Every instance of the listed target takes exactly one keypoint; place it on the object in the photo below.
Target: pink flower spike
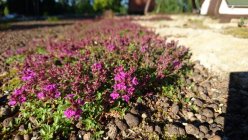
(69, 113)
(114, 95)
(41, 95)
(57, 94)
(126, 98)
(12, 103)
(135, 81)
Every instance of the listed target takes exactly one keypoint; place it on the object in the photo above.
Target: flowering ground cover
(81, 82)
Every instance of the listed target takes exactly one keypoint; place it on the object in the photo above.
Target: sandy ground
(218, 52)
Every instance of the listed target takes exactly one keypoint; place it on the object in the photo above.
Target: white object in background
(205, 7)
(225, 9)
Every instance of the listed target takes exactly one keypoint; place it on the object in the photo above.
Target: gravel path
(218, 52)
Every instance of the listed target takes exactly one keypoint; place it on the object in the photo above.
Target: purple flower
(120, 76)
(70, 96)
(41, 95)
(50, 87)
(130, 90)
(111, 47)
(22, 99)
(144, 48)
(28, 75)
(69, 113)
(120, 86)
(135, 81)
(126, 98)
(12, 102)
(57, 94)
(78, 114)
(114, 95)
(96, 67)
(18, 92)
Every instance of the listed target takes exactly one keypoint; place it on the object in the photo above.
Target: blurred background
(43, 8)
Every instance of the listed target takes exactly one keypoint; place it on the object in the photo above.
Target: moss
(195, 23)
(237, 32)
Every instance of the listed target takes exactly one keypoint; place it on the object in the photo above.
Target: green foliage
(48, 117)
(13, 81)
(6, 11)
(102, 5)
(52, 19)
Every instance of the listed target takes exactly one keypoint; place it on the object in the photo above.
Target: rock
(131, 120)
(158, 129)
(21, 128)
(35, 134)
(190, 115)
(204, 96)
(18, 137)
(191, 129)
(175, 130)
(87, 136)
(208, 113)
(210, 120)
(134, 111)
(198, 102)
(203, 129)
(121, 125)
(201, 135)
(5, 111)
(216, 137)
(27, 137)
(144, 116)
(7, 122)
(112, 131)
(149, 128)
(175, 109)
(220, 120)
(79, 125)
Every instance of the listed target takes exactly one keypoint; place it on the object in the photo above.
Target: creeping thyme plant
(101, 67)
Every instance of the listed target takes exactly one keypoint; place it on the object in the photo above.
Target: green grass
(195, 23)
(52, 19)
(237, 2)
(237, 32)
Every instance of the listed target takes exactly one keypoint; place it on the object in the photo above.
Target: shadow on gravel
(16, 27)
(236, 119)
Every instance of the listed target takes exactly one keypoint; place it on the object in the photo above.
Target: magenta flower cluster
(18, 96)
(49, 91)
(125, 84)
(116, 58)
(75, 111)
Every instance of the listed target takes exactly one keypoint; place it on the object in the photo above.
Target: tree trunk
(148, 2)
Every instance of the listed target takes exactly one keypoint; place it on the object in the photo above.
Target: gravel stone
(120, 124)
(220, 120)
(198, 102)
(27, 137)
(134, 111)
(87, 136)
(216, 137)
(18, 137)
(208, 113)
(201, 135)
(175, 130)
(112, 132)
(175, 109)
(7, 121)
(191, 129)
(203, 129)
(131, 120)
(158, 129)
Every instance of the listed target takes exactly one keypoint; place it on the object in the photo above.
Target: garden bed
(108, 79)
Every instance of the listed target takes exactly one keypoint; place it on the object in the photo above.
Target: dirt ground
(220, 53)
